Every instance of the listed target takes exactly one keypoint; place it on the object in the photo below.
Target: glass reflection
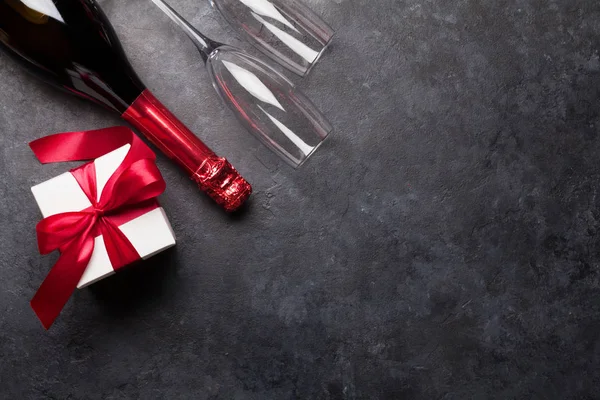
(286, 30)
(37, 10)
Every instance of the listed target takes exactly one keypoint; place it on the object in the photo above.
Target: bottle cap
(220, 180)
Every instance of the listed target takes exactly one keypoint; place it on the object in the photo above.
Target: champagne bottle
(72, 45)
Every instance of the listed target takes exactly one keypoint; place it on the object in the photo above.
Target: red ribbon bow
(130, 192)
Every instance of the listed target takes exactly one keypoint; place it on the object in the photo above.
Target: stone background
(442, 244)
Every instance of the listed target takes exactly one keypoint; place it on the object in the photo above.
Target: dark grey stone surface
(442, 245)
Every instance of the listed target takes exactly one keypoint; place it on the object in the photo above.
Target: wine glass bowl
(268, 104)
(288, 31)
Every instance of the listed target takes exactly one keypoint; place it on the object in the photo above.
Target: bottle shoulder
(72, 46)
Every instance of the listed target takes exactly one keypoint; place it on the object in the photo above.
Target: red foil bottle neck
(215, 175)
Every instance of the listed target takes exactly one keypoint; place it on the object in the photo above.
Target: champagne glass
(264, 100)
(286, 30)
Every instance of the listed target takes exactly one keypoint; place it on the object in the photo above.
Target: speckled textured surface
(442, 244)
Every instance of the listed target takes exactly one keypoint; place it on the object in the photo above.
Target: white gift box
(149, 234)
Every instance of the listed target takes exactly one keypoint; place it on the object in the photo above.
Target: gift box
(100, 216)
(149, 233)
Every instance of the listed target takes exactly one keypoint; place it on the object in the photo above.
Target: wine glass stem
(204, 44)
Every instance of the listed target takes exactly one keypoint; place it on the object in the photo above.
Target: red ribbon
(130, 192)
